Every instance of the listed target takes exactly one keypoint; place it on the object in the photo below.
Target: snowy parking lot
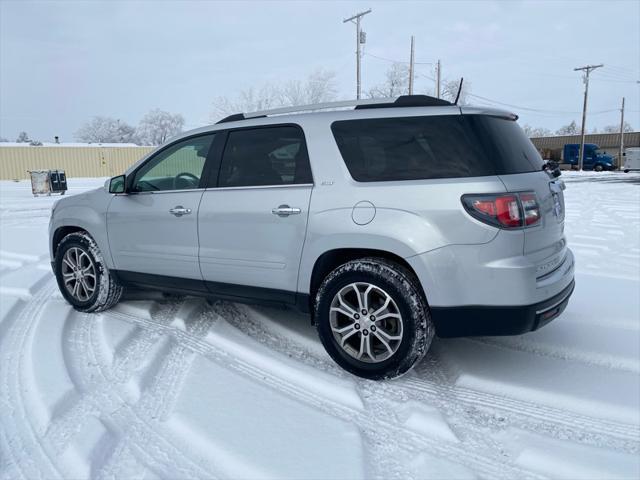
(174, 387)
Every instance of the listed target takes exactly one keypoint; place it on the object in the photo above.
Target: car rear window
(450, 146)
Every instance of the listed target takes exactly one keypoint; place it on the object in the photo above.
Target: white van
(631, 159)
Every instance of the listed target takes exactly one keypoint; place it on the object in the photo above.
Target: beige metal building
(78, 160)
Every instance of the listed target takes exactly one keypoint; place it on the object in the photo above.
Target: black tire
(404, 289)
(598, 168)
(107, 291)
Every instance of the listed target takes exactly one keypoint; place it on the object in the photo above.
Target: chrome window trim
(248, 187)
(254, 187)
(156, 192)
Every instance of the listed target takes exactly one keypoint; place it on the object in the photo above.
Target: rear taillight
(505, 210)
(530, 208)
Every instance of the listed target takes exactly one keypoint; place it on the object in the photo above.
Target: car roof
(403, 106)
(323, 114)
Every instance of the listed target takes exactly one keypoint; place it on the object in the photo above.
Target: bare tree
(157, 126)
(250, 100)
(396, 82)
(318, 87)
(23, 137)
(450, 91)
(533, 132)
(106, 130)
(570, 129)
(616, 128)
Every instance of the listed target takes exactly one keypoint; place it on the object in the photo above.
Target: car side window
(178, 167)
(265, 156)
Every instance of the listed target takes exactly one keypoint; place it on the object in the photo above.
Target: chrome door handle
(285, 211)
(179, 210)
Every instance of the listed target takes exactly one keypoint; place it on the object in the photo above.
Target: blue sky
(63, 62)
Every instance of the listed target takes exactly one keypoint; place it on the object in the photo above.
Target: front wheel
(83, 278)
(372, 318)
(598, 168)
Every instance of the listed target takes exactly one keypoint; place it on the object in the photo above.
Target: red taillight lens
(488, 207)
(513, 210)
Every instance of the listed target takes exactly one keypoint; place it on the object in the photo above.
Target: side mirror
(117, 184)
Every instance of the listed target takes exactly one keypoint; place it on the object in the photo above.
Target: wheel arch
(60, 233)
(332, 259)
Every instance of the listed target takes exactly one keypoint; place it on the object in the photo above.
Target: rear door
(153, 228)
(252, 223)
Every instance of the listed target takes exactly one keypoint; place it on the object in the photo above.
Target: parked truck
(592, 159)
(567, 157)
(631, 161)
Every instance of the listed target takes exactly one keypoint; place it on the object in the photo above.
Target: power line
(395, 61)
(425, 76)
(530, 109)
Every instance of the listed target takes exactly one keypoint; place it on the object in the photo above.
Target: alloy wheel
(366, 322)
(79, 274)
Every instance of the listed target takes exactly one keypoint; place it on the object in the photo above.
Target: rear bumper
(496, 320)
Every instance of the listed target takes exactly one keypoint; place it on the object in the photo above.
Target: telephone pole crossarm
(353, 17)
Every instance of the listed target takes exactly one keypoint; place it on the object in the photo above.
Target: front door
(153, 229)
(253, 224)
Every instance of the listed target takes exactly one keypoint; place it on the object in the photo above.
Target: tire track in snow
(575, 425)
(156, 403)
(439, 388)
(483, 409)
(133, 423)
(551, 351)
(490, 464)
(27, 456)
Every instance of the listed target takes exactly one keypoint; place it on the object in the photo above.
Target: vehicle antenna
(459, 91)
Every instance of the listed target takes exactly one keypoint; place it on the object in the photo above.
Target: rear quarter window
(451, 146)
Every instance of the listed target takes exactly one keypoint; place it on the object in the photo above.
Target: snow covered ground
(176, 388)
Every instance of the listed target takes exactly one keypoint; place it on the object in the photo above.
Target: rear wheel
(372, 318)
(83, 278)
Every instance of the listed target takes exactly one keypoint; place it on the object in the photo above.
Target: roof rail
(401, 101)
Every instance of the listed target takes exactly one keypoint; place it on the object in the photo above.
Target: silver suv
(388, 222)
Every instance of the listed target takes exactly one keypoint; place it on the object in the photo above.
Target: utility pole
(351, 19)
(411, 68)
(587, 70)
(621, 156)
(438, 67)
